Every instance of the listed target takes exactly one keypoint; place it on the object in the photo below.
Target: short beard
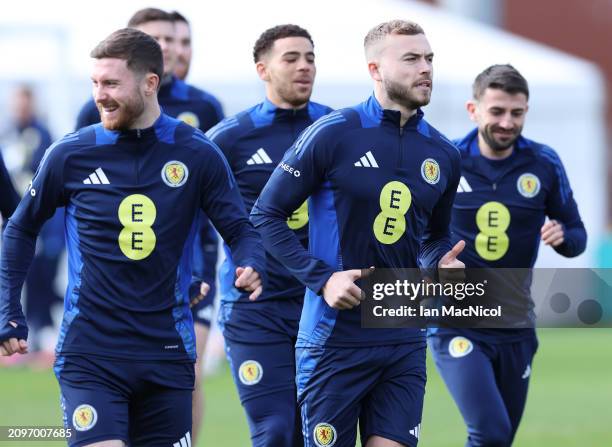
(401, 95)
(487, 135)
(294, 98)
(130, 111)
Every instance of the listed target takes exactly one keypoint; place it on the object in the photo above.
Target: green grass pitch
(569, 405)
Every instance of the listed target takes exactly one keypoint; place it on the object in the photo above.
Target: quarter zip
(137, 166)
(293, 124)
(400, 155)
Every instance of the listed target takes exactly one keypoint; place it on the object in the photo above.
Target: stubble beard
(403, 96)
(293, 96)
(495, 145)
(129, 112)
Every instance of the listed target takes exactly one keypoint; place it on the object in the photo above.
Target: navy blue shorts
(142, 403)
(381, 387)
(488, 382)
(259, 341)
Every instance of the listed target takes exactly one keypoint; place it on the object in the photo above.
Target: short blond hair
(382, 30)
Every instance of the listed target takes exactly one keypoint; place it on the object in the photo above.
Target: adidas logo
(464, 186)
(185, 441)
(259, 158)
(367, 161)
(98, 177)
(416, 431)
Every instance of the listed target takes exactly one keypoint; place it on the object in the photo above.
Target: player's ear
(471, 107)
(374, 70)
(262, 71)
(151, 81)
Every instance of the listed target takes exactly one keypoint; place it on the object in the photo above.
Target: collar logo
(84, 417)
(174, 173)
(325, 435)
(528, 185)
(430, 171)
(189, 118)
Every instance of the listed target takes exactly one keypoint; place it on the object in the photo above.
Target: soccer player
(509, 185)
(380, 182)
(260, 336)
(201, 110)
(183, 45)
(133, 187)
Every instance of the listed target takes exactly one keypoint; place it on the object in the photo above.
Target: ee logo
(493, 220)
(390, 224)
(137, 214)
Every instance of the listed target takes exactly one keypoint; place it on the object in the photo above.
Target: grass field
(570, 400)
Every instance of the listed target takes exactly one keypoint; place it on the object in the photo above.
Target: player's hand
(451, 269)
(340, 291)
(249, 280)
(12, 345)
(204, 289)
(552, 233)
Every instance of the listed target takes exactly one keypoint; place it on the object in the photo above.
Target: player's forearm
(247, 249)
(17, 252)
(433, 247)
(574, 243)
(282, 243)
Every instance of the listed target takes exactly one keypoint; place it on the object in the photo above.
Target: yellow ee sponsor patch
(250, 372)
(390, 224)
(84, 417)
(493, 220)
(460, 347)
(324, 435)
(137, 214)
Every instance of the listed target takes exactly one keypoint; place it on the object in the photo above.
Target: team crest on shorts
(528, 185)
(460, 347)
(174, 173)
(84, 417)
(430, 170)
(324, 435)
(250, 372)
(189, 118)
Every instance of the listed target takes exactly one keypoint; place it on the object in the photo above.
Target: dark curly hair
(269, 36)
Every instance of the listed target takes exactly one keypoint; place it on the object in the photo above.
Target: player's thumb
(453, 253)
(356, 274)
(458, 248)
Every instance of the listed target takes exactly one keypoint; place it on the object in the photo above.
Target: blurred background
(561, 47)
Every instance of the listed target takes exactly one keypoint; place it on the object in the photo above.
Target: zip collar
(374, 113)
